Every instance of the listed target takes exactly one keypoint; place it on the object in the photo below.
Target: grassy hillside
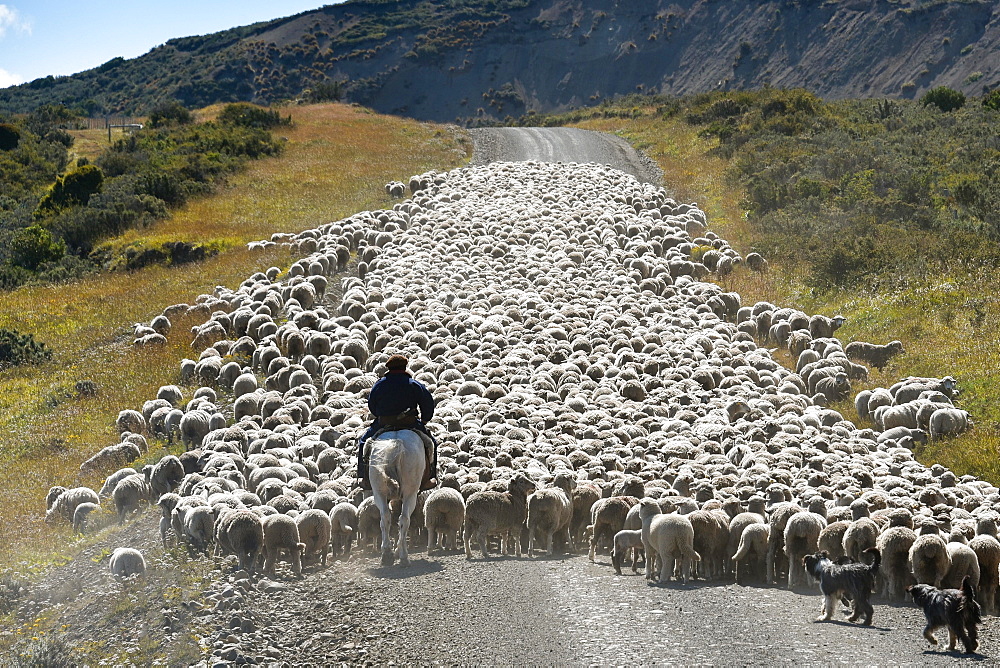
(484, 60)
(927, 278)
(335, 162)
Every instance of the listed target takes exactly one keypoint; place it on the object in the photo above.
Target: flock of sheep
(593, 392)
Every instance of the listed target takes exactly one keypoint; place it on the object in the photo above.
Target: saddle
(428, 443)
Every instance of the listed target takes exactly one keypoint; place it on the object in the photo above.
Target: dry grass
(336, 161)
(948, 325)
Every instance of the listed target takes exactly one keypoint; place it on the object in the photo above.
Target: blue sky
(42, 37)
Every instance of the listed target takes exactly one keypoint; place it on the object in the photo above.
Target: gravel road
(561, 145)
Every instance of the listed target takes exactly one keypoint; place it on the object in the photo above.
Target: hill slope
(481, 59)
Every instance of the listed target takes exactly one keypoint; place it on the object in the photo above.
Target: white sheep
(666, 539)
(444, 515)
(126, 562)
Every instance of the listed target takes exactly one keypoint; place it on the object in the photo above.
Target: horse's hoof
(387, 559)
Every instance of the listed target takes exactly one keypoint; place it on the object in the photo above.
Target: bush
(992, 100)
(944, 98)
(10, 136)
(249, 115)
(17, 349)
(74, 188)
(170, 113)
(33, 245)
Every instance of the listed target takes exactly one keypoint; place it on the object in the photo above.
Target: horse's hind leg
(404, 527)
(386, 519)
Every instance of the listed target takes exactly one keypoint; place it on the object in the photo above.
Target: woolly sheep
(873, 354)
(751, 552)
(315, 532)
(948, 422)
(964, 564)
(626, 541)
(197, 527)
(666, 539)
(550, 512)
(498, 513)
(444, 514)
(894, 572)
(81, 516)
(65, 504)
(281, 534)
(128, 494)
(126, 562)
(801, 538)
(929, 558)
(240, 532)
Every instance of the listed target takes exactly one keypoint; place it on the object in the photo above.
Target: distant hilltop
(476, 61)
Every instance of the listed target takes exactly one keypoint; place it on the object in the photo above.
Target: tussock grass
(949, 324)
(335, 163)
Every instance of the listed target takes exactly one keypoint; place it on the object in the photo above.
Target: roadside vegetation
(57, 412)
(884, 211)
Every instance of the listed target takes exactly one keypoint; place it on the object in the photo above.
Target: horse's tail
(385, 481)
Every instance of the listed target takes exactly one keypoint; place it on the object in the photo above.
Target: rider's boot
(363, 477)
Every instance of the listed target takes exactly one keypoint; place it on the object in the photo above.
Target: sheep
(584, 497)
(831, 539)
(780, 515)
(498, 513)
(948, 422)
(66, 502)
(666, 538)
(171, 394)
(240, 532)
(987, 550)
(751, 553)
(859, 536)
(197, 527)
(964, 564)
(194, 427)
(929, 558)
(166, 475)
(81, 516)
(801, 538)
(345, 525)
(126, 562)
(550, 512)
(894, 572)
(626, 541)
(128, 494)
(281, 534)
(711, 540)
(315, 533)
(444, 514)
(874, 355)
(755, 262)
(834, 388)
(897, 433)
(129, 420)
(608, 518)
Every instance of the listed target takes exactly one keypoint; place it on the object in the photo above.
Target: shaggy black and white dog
(836, 581)
(955, 608)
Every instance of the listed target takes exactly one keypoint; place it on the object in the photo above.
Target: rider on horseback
(394, 401)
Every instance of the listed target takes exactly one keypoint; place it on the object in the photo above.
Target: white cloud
(11, 19)
(9, 78)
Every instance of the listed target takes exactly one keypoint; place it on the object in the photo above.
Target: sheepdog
(836, 581)
(955, 608)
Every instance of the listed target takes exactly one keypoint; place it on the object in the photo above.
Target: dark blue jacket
(396, 392)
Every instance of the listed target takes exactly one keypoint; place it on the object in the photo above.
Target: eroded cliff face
(553, 56)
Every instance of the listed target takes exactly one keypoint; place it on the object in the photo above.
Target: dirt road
(561, 145)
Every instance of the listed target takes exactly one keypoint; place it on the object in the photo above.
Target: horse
(396, 467)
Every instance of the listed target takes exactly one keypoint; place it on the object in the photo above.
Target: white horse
(396, 467)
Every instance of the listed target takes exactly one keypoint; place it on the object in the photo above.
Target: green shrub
(17, 348)
(74, 188)
(249, 115)
(33, 245)
(944, 98)
(170, 113)
(992, 100)
(10, 136)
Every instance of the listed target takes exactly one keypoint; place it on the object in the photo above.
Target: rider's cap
(396, 363)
